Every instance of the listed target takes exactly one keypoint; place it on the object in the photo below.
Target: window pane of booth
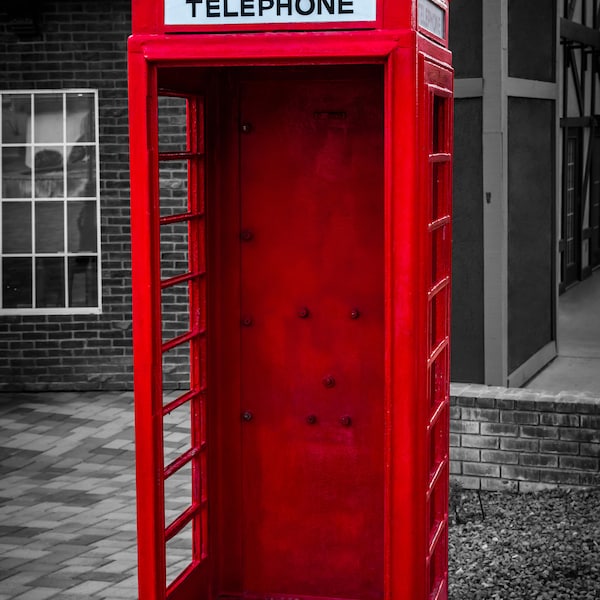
(172, 132)
(179, 553)
(175, 311)
(176, 368)
(174, 250)
(173, 178)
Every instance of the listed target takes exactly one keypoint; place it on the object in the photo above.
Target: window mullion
(60, 199)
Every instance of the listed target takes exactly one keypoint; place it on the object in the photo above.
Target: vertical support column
(495, 185)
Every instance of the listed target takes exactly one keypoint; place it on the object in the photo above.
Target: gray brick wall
(82, 44)
(522, 440)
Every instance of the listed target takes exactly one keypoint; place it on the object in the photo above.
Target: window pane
(49, 227)
(83, 281)
(172, 128)
(48, 172)
(16, 227)
(80, 118)
(48, 200)
(16, 290)
(48, 118)
(81, 172)
(16, 113)
(16, 176)
(82, 226)
(49, 283)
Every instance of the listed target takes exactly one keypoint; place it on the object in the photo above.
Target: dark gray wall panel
(467, 239)
(531, 39)
(465, 37)
(531, 202)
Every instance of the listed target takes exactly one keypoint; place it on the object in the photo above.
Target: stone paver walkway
(67, 497)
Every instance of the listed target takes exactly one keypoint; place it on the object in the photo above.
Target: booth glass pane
(179, 553)
(440, 259)
(17, 283)
(177, 430)
(173, 181)
(438, 442)
(83, 281)
(80, 118)
(48, 118)
(49, 227)
(16, 227)
(49, 282)
(438, 379)
(178, 492)
(82, 226)
(174, 249)
(172, 124)
(175, 311)
(176, 368)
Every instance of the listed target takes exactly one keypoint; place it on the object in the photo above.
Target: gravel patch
(539, 546)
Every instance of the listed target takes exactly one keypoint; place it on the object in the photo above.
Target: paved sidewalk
(67, 497)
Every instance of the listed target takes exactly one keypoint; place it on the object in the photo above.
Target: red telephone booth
(290, 196)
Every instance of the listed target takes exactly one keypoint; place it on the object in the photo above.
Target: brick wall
(522, 440)
(82, 45)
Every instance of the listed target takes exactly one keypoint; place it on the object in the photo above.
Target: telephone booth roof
(430, 17)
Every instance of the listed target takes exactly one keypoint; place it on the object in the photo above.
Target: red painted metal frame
(408, 289)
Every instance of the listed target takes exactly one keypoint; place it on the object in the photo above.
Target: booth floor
(577, 366)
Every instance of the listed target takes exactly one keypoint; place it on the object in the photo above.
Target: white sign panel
(250, 12)
(432, 18)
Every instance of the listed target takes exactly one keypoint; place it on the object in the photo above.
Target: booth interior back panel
(465, 37)
(531, 39)
(531, 202)
(467, 252)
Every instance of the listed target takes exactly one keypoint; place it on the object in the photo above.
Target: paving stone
(38, 593)
(67, 497)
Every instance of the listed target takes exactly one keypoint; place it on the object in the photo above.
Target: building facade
(526, 178)
(65, 316)
(526, 187)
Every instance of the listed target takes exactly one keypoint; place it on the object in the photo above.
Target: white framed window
(49, 202)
